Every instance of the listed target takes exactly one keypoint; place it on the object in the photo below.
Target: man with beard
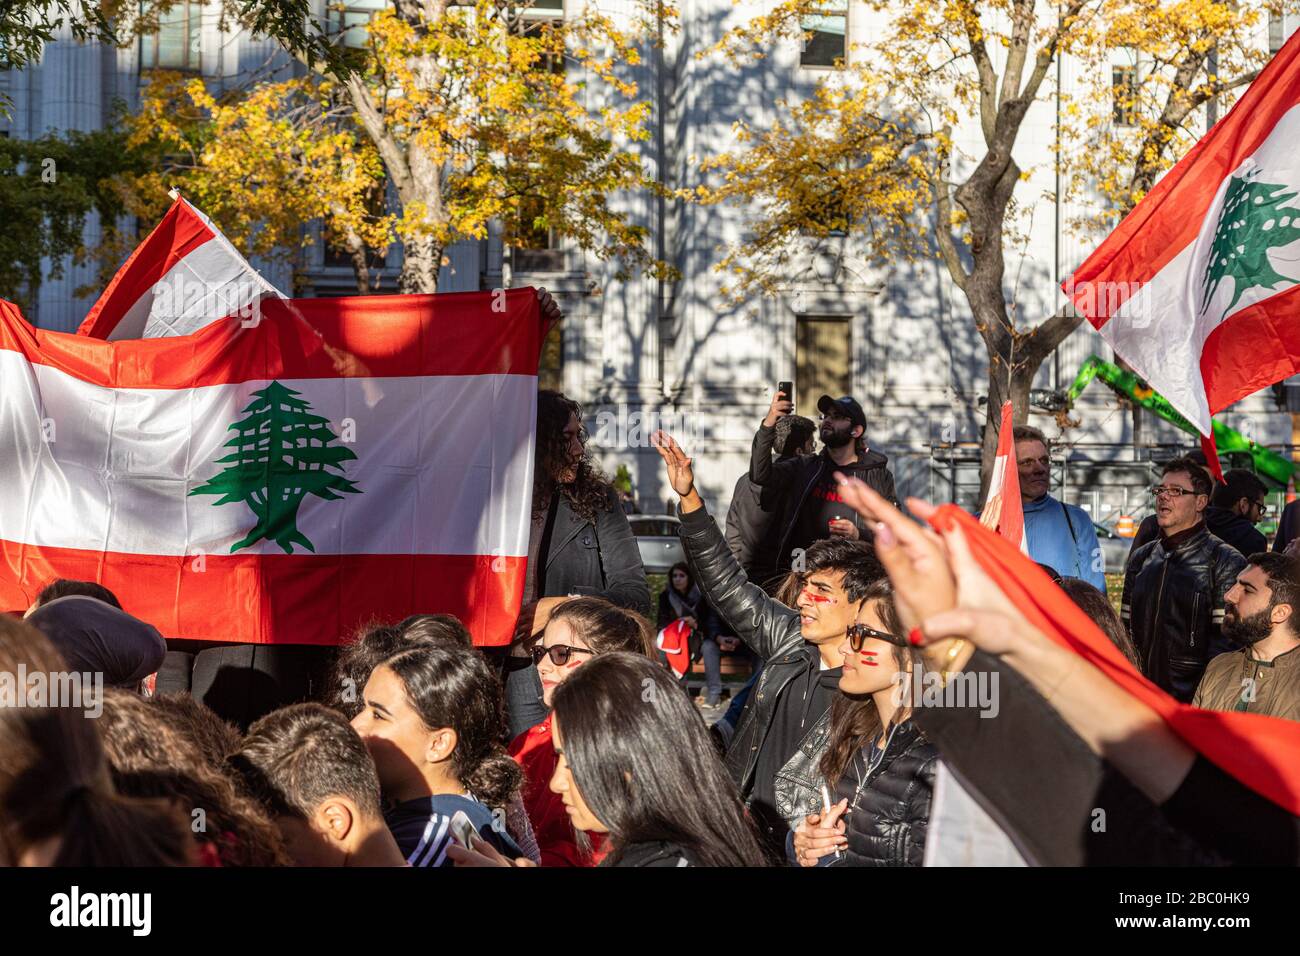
(1262, 614)
(803, 492)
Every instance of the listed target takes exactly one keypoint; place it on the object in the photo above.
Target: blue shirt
(1063, 538)
(422, 828)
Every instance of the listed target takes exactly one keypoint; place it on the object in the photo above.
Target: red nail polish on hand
(915, 637)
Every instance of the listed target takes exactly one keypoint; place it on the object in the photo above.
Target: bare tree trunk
(420, 265)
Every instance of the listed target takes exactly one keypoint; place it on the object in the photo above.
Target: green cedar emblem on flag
(1253, 221)
(282, 453)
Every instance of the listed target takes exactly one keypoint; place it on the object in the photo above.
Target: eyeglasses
(559, 653)
(1263, 508)
(858, 634)
(1171, 491)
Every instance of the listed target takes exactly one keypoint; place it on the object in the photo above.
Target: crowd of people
(576, 746)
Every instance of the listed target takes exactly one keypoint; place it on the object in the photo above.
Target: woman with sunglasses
(577, 631)
(878, 766)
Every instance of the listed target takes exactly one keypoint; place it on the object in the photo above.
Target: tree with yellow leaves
(873, 151)
(468, 114)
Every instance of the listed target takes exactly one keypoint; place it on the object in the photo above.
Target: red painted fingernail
(915, 637)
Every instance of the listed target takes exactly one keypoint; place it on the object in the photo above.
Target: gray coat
(596, 558)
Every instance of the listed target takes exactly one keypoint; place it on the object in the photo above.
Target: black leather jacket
(769, 628)
(1173, 606)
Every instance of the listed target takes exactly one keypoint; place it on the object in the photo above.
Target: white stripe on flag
(442, 463)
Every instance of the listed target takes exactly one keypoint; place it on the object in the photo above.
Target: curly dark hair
(590, 490)
(457, 688)
(375, 642)
(150, 758)
(201, 725)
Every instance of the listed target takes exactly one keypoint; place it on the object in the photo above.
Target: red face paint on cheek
(868, 658)
(819, 598)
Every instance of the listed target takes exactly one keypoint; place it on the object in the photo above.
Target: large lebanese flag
(1198, 289)
(340, 460)
(1262, 752)
(184, 275)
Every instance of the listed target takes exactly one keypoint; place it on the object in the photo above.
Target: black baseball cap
(845, 406)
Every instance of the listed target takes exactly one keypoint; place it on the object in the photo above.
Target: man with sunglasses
(1174, 587)
(799, 648)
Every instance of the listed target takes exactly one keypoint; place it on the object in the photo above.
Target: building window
(550, 368)
(825, 36)
(352, 19)
(537, 20)
(1123, 93)
(821, 359)
(668, 351)
(536, 246)
(176, 45)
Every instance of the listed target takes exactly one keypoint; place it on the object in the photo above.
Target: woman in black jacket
(682, 599)
(580, 545)
(877, 763)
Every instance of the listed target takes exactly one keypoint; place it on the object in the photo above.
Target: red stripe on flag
(280, 599)
(1170, 216)
(378, 336)
(1253, 349)
(178, 235)
(1262, 752)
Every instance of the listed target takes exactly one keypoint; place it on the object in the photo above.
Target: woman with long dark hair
(580, 544)
(58, 804)
(682, 599)
(577, 633)
(878, 767)
(637, 764)
(432, 720)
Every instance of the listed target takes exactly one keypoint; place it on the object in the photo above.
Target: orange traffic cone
(1125, 527)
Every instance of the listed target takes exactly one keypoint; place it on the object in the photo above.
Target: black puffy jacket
(888, 825)
(1173, 606)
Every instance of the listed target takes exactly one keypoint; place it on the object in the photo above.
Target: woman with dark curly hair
(580, 545)
(432, 721)
(151, 758)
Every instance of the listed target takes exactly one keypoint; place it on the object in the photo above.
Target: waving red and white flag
(184, 275)
(280, 483)
(1198, 288)
(1262, 752)
(1003, 512)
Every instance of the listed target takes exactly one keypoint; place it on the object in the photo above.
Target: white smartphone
(462, 829)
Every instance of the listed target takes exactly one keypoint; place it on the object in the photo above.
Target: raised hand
(780, 407)
(681, 476)
(914, 556)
